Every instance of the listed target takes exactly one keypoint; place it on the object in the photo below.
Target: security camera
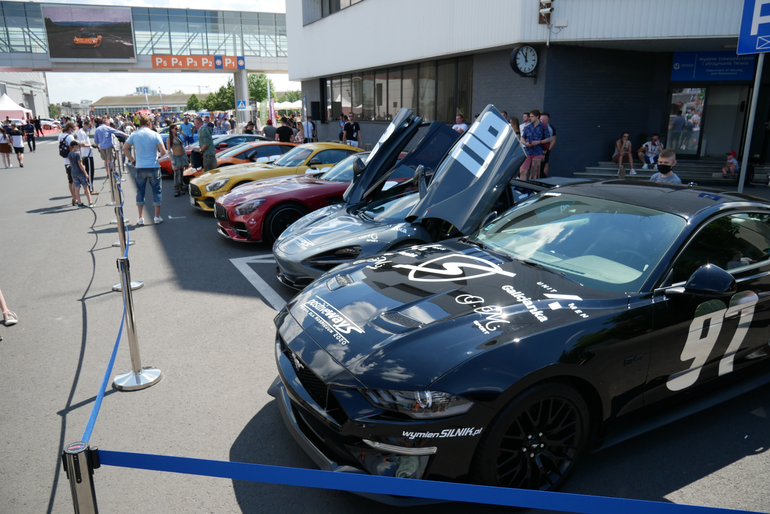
(547, 10)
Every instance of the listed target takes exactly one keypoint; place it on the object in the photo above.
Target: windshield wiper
(546, 268)
(475, 242)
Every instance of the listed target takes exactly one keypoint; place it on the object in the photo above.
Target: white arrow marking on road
(262, 287)
(176, 217)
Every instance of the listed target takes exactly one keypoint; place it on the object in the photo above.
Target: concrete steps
(701, 172)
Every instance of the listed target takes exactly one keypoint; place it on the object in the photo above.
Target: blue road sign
(754, 37)
(241, 105)
(241, 63)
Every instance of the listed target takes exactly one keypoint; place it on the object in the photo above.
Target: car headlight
(249, 207)
(217, 184)
(341, 256)
(419, 404)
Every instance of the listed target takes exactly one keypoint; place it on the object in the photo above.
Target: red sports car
(261, 210)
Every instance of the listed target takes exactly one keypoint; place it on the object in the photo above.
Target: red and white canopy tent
(10, 109)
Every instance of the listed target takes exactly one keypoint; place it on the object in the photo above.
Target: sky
(74, 87)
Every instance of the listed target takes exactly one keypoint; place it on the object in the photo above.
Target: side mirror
(315, 161)
(710, 280)
(492, 215)
(419, 180)
(358, 166)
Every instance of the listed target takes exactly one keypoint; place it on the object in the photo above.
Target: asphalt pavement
(204, 317)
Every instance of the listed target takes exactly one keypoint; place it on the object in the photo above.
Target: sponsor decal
(478, 325)
(562, 296)
(444, 434)
(453, 268)
(547, 287)
(407, 254)
(379, 262)
(577, 311)
(704, 332)
(400, 228)
(478, 145)
(494, 314)
(303, 243)
(468, 299)
(334, 224)
(555, 306)
(336, 323)
(526, 302)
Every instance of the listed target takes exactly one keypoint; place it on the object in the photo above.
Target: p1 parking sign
(754, 36)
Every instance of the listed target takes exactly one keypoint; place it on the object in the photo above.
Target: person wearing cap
(732, 165)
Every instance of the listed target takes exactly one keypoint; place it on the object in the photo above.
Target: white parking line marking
(262, 287)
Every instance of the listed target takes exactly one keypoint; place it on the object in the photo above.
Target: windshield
(294, 157)
(391, 211)
(601, 244)
(343, 170)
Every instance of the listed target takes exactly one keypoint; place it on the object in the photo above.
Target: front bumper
(341, 431)
(199, 200)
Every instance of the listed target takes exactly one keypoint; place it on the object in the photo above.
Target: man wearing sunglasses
(650, 152)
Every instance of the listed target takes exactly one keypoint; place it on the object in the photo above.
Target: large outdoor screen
(90, 32)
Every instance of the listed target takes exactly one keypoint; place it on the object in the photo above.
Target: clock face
(526, 59)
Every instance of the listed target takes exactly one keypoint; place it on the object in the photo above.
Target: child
(731, 166)
(79, 174)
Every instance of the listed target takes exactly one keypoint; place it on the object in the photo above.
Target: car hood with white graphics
(403, 319)
(233, 171)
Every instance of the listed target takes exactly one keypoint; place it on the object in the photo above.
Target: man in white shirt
(86, 152)
(460, 125)
(309, 129)
(649, 152)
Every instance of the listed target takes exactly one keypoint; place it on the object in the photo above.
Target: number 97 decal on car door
(704, 332)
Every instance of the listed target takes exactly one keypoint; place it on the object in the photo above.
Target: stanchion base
(116, 244)
(111, 203)
(134, 286)
(131, 381)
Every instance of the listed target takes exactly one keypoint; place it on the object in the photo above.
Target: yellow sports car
(88, 39)
(205, 189)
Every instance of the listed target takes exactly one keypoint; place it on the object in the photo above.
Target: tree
(193, 104)
(258, 87)
(221, 100)
(291, 96)
(178, 92)
(53, 111)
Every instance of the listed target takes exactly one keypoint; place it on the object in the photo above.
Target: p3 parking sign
(754, 36)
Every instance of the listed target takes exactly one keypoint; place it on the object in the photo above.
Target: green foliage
(53, 111)
(193, 104)
(221, 100)
(258, 87)
(178, 92)
(291, 96)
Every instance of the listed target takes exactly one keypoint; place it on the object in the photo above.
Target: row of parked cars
(457, 324)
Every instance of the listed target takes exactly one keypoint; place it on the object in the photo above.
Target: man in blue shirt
(103, 139)
(187, 131)
(148, 144)
(532, 138)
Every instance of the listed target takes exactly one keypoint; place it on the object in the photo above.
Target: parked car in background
(221, 143)
(260, 152)
(205, 189)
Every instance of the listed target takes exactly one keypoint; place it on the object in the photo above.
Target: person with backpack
(65, 138)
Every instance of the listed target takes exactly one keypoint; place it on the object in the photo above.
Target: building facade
(27, 89)
(138, 102)
(602, 68)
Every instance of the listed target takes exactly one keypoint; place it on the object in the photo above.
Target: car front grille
(220, 212)
(195, 190)
(316, 388)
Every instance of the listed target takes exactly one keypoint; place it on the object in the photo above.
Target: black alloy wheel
(536, 440)
(279, 220)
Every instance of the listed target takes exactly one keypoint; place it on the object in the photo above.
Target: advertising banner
(198, 62)
(712, 66)
(89, 33)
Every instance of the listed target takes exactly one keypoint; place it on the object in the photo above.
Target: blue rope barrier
(361, 483)
(100, 395)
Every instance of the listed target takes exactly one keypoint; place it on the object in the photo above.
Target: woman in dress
(299, 137)
(175, 148)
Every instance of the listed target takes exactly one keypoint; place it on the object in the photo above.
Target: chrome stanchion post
(118, 196)
(138, 377)
(79, 462)
(111, 177)
(121, 229)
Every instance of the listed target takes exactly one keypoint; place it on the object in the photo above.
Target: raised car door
(384, 154)
(473, 174)
(705, 340)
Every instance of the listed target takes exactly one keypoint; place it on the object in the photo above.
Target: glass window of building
(381, 95)
(356, 94)
(427, 91)
(345, 93)
(336, 98)
(464, 87)
(409, 87)
(445, 90)
(368, 95)
(394, 91)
